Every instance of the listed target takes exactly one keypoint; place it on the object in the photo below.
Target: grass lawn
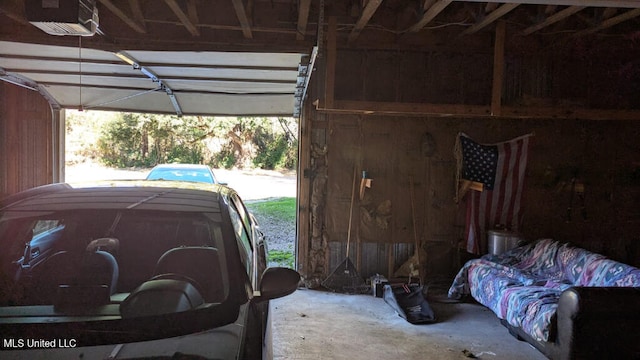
(281, 209)
(275, 217)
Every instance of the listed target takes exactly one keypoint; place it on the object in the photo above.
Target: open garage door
(182, 83)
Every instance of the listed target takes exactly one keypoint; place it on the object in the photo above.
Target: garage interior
(381, 88)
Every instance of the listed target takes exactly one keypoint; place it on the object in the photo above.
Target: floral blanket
(523, 285)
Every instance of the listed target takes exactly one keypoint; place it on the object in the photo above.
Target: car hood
(220, 343)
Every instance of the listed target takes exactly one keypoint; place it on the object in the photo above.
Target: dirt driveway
(250, 184)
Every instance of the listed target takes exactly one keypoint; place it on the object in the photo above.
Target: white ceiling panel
(231, 87)
(250, 59)
(218, 73)
(105, 81)
(18, 64)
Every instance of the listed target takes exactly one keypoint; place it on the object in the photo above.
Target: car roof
(127, 195)
(181, 166)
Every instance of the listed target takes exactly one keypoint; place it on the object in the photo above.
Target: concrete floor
(310, 324)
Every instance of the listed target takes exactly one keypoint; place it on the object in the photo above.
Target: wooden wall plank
(26, 139)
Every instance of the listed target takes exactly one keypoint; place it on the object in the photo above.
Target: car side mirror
(278, 282)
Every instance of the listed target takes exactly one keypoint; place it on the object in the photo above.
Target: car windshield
(94, 265)
(181, 174)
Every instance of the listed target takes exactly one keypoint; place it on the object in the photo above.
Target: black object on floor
(407, 300)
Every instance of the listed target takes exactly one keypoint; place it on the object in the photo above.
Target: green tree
(149, 139)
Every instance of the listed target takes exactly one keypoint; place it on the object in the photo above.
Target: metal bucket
(500, 241)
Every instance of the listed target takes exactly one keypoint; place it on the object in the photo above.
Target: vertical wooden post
(330, 74)
(303, 193)
(498, 69)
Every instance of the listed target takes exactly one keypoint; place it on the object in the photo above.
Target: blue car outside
(183, 172)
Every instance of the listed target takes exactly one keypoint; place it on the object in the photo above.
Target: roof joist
(560, 15)
(243, 18)
(367, 13)
(186, 21)
(585, 3)
(137, 26)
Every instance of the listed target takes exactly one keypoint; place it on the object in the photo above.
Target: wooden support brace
(498, 70)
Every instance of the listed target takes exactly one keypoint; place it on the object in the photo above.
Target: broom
(344, 277)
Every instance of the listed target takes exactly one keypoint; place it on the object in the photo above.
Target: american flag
(501, 170)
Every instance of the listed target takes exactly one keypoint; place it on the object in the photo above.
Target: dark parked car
(183, 172)
(133, 269)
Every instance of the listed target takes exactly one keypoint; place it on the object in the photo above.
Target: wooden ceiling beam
(490, 7)
(192, 11)
(609, 12)
(490, 18)
(238, 5)
(177, 10)
(139, 28)
(498, 69)
(474, 111)
(610, 22)
(14, 10)
(303, 18)
(136, 10)
(367, 13)
(433, 11)
(585, 3)
(552, 19)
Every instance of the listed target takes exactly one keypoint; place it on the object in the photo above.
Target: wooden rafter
(177, 10)
(303, 18)
(136, 11)
(608, 12)
(139, 28)
(332, 51)
(474, 111)
(562, 14)
(490, 7)
(610, 22)
(14, 11)
(430, 14)
(192, 11)
(427, 4)
(498, 69)
(238, 5)
(490, 18)
(585, 3)
(367, 13)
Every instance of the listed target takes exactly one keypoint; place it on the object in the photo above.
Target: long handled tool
(345, 277)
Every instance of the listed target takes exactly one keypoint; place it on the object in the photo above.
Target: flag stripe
(511, 181)
(502, 184)
(524, 157)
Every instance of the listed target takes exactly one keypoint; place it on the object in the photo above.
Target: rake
(345, 277)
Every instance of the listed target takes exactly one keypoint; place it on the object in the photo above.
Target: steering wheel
(179, 277)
